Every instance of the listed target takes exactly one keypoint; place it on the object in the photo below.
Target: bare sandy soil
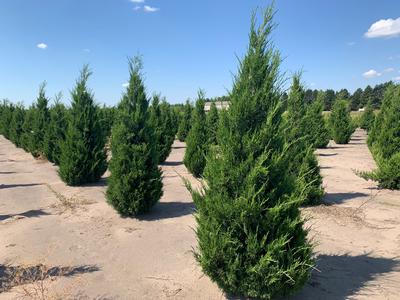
(75, 233)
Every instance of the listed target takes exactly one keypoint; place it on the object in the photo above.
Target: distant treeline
(357, 100)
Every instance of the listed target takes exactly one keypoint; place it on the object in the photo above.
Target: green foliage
(16, 124)
(27, 139)
(212, 124)
(55, 134)
(163, 122)
(6, 118)
(250, 232)
(367, 118)
(185, 122)
(340, 122)
(384, 141)
(83, 156)
(106, 116)
(135, 183)
(197, 140)
(316, 124)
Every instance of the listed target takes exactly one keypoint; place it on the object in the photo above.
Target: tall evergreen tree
(16, 124)
(41, 118)
(135, 183)
(27, 139)
(315, 122)
(368, 117)
(185, 122)
(83, 155)
(356, 99)
(197, 140)
(55, 134)
(212, 124)
(250, 232)
(340, 122)
(6, 118)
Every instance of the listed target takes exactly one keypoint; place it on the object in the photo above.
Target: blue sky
(188, 45)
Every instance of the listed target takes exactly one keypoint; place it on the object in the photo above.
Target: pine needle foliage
(368, 117)
(16, 124)
(185, 122)
(55, 134)
(197, 140)
(83, 156)
(340, 122)
(135, 185)
(251, 240)
(316, 124)
(212, 124)
(27, 139)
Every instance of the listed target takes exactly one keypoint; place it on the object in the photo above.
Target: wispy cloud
(388, 70)
(371, 74)
(397, 78)
(86, 50)
(384, 28)
(41, 46)
(137, 1)
(150, 9)
(137, 7)
(125, 85)
(351, 44)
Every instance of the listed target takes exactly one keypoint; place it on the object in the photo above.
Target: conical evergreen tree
(368, 117)
(340, 122)
(6, 118)
(212, 124)
(185, 122)
(83, 156)
(304, 164)
(16, 124)
(250, 232)
(55, 134)
(40, 121)
(27, 139)
(135, 183)
(317, 127)
(197, 141)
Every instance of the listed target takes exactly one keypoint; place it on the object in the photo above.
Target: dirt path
(103, 255)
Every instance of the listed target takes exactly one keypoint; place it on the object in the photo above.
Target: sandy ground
(104, 256)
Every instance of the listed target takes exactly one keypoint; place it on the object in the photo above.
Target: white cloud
(137, 1)
(351, 44)
(137, 7)
(397, 78)
(86, 50)
(384, 28)
(147, 8)
(41, 46)
(388, 70)
(125, 85)
(371, 74)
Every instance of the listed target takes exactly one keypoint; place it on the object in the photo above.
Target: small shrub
(185, 122)
(340, 122)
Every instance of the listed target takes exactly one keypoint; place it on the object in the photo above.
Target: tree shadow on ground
(337, 147)
(178, 147)
(341, 197)
(18, 185)
(28, 214)
(12, 276)
(101, 182)
(168, 210)
(172, 163)
(339, 277)
(325, 167)
(6, 173)
(327, 154)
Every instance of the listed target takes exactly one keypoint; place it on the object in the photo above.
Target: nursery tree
(303, 164)
(27, 139)
(40, 122)
(212, 124)
(6, 117)
(135, 182)
(55, 134)
(197, 140)
(250, 233)
(340, 122)
(185, 122)
(16, 124)
(368, 117)
(83, 156)
(316, 124)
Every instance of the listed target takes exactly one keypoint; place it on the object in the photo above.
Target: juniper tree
(135, 182)
(55, 134)
(197, 141)
(250, 233)
(212, 124)
(6, 117)
(303, 164)
(315, 122)
(340, 122)
(368, 117)
(185, 122)
(27, 139)
(16, 124)
(83, 156)
(385, 141)
(41, 119)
